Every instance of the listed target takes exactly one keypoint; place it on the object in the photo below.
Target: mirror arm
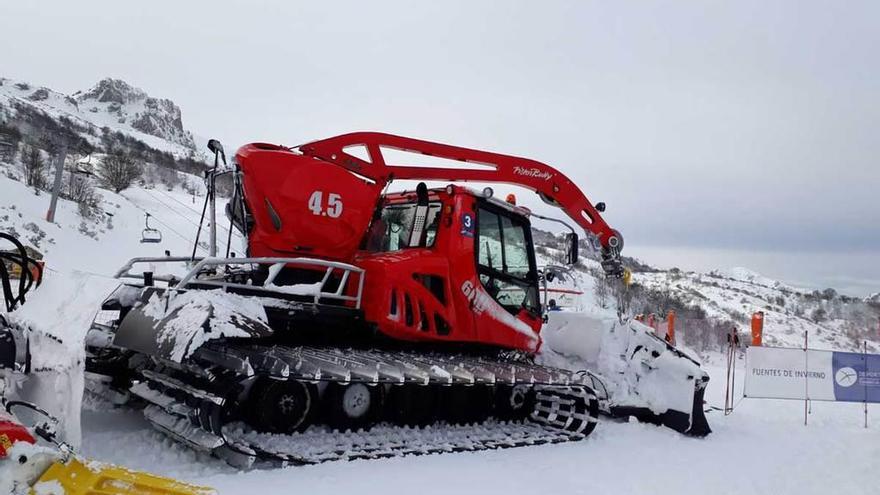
(572, 238)
(556, 220)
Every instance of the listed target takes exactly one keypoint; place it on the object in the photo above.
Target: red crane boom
(550, 184)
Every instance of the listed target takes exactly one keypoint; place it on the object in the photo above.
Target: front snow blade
(693, 423)
(699, 424)
(172, 325)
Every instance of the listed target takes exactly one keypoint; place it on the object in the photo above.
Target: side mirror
(217, 149)
(571, 255)
(214, 146)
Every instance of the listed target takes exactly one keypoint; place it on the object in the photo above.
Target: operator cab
(502, 239)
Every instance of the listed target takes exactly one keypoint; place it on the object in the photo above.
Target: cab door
(507, 272)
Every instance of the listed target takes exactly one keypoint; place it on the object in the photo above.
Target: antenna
(210, 175)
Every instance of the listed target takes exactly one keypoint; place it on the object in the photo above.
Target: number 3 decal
(333, 208)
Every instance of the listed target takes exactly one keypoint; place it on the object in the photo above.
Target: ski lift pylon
(149, 234)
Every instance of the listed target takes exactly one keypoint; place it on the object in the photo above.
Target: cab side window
(391, 232)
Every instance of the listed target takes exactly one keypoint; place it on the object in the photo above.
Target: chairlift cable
(184, 205)
(172, 210)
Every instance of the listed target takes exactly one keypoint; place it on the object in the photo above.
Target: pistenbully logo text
(532, 172)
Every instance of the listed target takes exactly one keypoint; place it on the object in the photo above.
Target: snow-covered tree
(34, 167)
(119, 170)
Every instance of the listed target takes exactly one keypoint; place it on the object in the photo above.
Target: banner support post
(727, 381)
(730, 385)
(806, 376)
(732, 375)
(865, 380)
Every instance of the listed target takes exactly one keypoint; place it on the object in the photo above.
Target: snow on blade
(182, 326)
(57, 316)
(635, 366)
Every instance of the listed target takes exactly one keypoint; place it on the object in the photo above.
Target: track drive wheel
(514, 403)
(352, 407)
(281, 406)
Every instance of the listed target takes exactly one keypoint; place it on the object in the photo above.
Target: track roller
(281, 406)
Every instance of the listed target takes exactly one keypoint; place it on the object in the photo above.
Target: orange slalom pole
(670, 327)
(757, 328)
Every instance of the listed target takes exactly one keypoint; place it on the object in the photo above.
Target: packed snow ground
(762, 448)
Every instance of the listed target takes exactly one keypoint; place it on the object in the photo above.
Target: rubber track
(566, 409)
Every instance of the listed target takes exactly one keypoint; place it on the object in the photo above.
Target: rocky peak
(158, 117)
(39, 95)
(113, 91)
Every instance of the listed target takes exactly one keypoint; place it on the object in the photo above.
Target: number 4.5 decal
(332, 209)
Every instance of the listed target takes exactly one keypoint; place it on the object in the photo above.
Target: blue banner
(856, 377)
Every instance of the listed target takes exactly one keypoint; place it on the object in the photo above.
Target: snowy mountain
(112, 105)
(153, 116)
(95, 229)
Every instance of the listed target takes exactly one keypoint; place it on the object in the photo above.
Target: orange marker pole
(670, 327)
(757, 328)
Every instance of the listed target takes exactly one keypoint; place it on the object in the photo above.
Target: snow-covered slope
(718, 300)
(103, 244)
(110, 233)
(832, 321)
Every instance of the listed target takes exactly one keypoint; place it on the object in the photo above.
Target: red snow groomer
(355, 308)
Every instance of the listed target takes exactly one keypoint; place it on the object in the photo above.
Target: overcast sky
(719, 133)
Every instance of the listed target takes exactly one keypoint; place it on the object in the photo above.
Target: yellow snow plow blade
(76, 478)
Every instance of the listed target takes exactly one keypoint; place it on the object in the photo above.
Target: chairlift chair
(149, 234)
